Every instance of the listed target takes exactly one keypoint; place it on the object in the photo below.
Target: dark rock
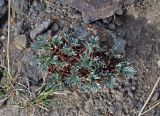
(53, 113)
(88, 104)
(118, 42)
(107, 37)
(1, 44)
(3, 102)
(93, 10)
(1, 72)
(157, 113)
(3, 16)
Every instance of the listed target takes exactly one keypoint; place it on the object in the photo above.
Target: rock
(40, 28)
(98, 103)
(155, 96)
(19, 28)
(93, 10)
(55, 27)
(3, 37)
(20, 42)
(20, 6)
(39, 6)
(158, 63)
(1, 3)
(157, 113)
(112, 26)
(29, 70)
(88, 105)
(80, 32)
(107, 37)
(118, 42)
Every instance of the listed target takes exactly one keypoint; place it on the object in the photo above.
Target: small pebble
(112, 26)
(158, 63)
(55, 27)
(155, 96)
(20, 42)
(3, 37)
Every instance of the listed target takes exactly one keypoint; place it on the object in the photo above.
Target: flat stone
(155, 96)
(29, 70)
(158, 63)
(40, 28)
(119, 42)
(55, 27)
(20, 42)
(93, 10)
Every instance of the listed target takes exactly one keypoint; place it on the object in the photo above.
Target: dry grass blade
(151, 108)
(48, 2)
(140, 113)
(8, 39)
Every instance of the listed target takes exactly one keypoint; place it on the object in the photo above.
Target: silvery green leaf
(128, 71)
(109, 81)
